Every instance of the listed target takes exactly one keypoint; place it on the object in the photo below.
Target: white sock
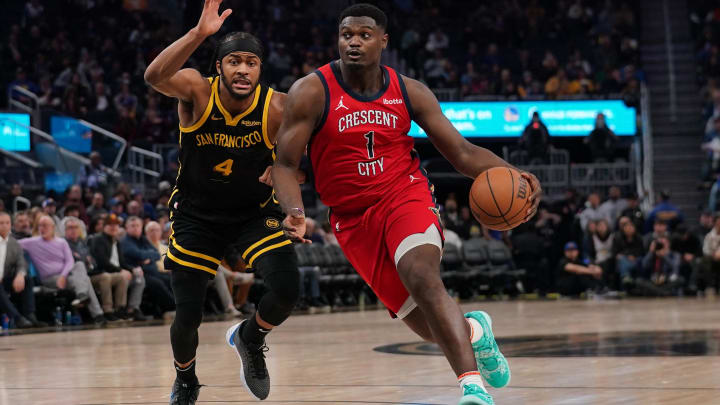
(476, 330)
(471, 377)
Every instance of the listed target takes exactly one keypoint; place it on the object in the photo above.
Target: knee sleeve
(282, 280)
(189, 288)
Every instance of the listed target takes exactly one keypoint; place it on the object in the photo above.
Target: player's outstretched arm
(303, 108)
(468, 159)
(164, 73)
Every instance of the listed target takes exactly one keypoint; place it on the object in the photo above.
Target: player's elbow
(152, 76)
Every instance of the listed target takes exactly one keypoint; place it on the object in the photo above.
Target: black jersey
(221, 158)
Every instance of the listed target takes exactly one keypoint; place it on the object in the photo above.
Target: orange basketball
(499, 198)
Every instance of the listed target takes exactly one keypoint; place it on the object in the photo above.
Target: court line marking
(645, 388)
(278, 402)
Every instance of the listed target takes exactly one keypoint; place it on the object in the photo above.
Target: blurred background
(613, 104)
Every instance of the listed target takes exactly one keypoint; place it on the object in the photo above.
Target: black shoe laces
(257, 361)
(187, 393)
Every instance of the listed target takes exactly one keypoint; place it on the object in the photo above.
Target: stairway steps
(677, 158)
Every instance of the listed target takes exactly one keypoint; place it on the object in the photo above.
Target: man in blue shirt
(138, 251)
(666, 211)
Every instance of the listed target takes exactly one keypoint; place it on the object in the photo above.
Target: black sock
(187, 374)
(252, 332)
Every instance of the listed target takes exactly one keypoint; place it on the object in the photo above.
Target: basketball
(499, 198)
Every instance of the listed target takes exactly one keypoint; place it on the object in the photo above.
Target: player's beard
(232, 92)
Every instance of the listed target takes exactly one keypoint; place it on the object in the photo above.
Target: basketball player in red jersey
(354, 115)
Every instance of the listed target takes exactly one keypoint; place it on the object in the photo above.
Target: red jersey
(361, 152)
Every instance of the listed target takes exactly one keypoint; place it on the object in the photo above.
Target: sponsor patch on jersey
(272, 223)
(392, 101)
(248, 123)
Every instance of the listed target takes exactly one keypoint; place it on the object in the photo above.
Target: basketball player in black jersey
(223, 198)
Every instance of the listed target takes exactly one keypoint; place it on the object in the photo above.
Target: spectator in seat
(660, 230)
(147, 209)
(74, 198)
(600, 246)
(437, 40)
(81, 253)
(134, 209)
(95, 175)
(97, 223)
(450, 215)
(117, 207)
(153, 233)
(575, 277)
(665, 211)
(628, 251)
(614, 206)
(558, 85)
(16, 283)
(689, 247)
(535, 140)
(661, 269)
(56, 266)
(468, 223)
(21, 225)
(602, 141)
(110, 259)
(97, 206)
(711, 260)
(634, 213)
(591, 212)
(706, 223)
(49, 208)
(139, 252)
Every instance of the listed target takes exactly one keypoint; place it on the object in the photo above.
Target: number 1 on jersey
(370, 144)
(225, 167)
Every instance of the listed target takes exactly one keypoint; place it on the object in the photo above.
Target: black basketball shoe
(253, 372)
(184, 394)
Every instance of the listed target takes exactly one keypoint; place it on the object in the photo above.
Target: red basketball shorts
(374, 241)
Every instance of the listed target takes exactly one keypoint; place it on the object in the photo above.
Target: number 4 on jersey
(225, 167)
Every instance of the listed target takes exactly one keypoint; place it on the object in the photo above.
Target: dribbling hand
(210, 22)
(535, 196)
(294, 228)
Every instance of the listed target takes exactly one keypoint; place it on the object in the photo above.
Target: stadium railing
(143, 164)
(33, 110)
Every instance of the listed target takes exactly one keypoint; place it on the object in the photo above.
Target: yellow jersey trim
(260, 242)
(196, 254)
(171, 196)
(230, 120)
(170, 199)
(266, 136)
(205, 115)
(193, 265)
(261, 251)
(262, 205)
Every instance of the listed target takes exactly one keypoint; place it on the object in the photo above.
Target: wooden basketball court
(565, 352)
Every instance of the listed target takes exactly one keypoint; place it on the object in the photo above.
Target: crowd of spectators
(604, 245)
(108, 256)
(106, 247)
(705, 25)
(90, 63)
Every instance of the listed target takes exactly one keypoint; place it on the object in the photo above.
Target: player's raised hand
(210, 21)
(535, 196)
(294, 228)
